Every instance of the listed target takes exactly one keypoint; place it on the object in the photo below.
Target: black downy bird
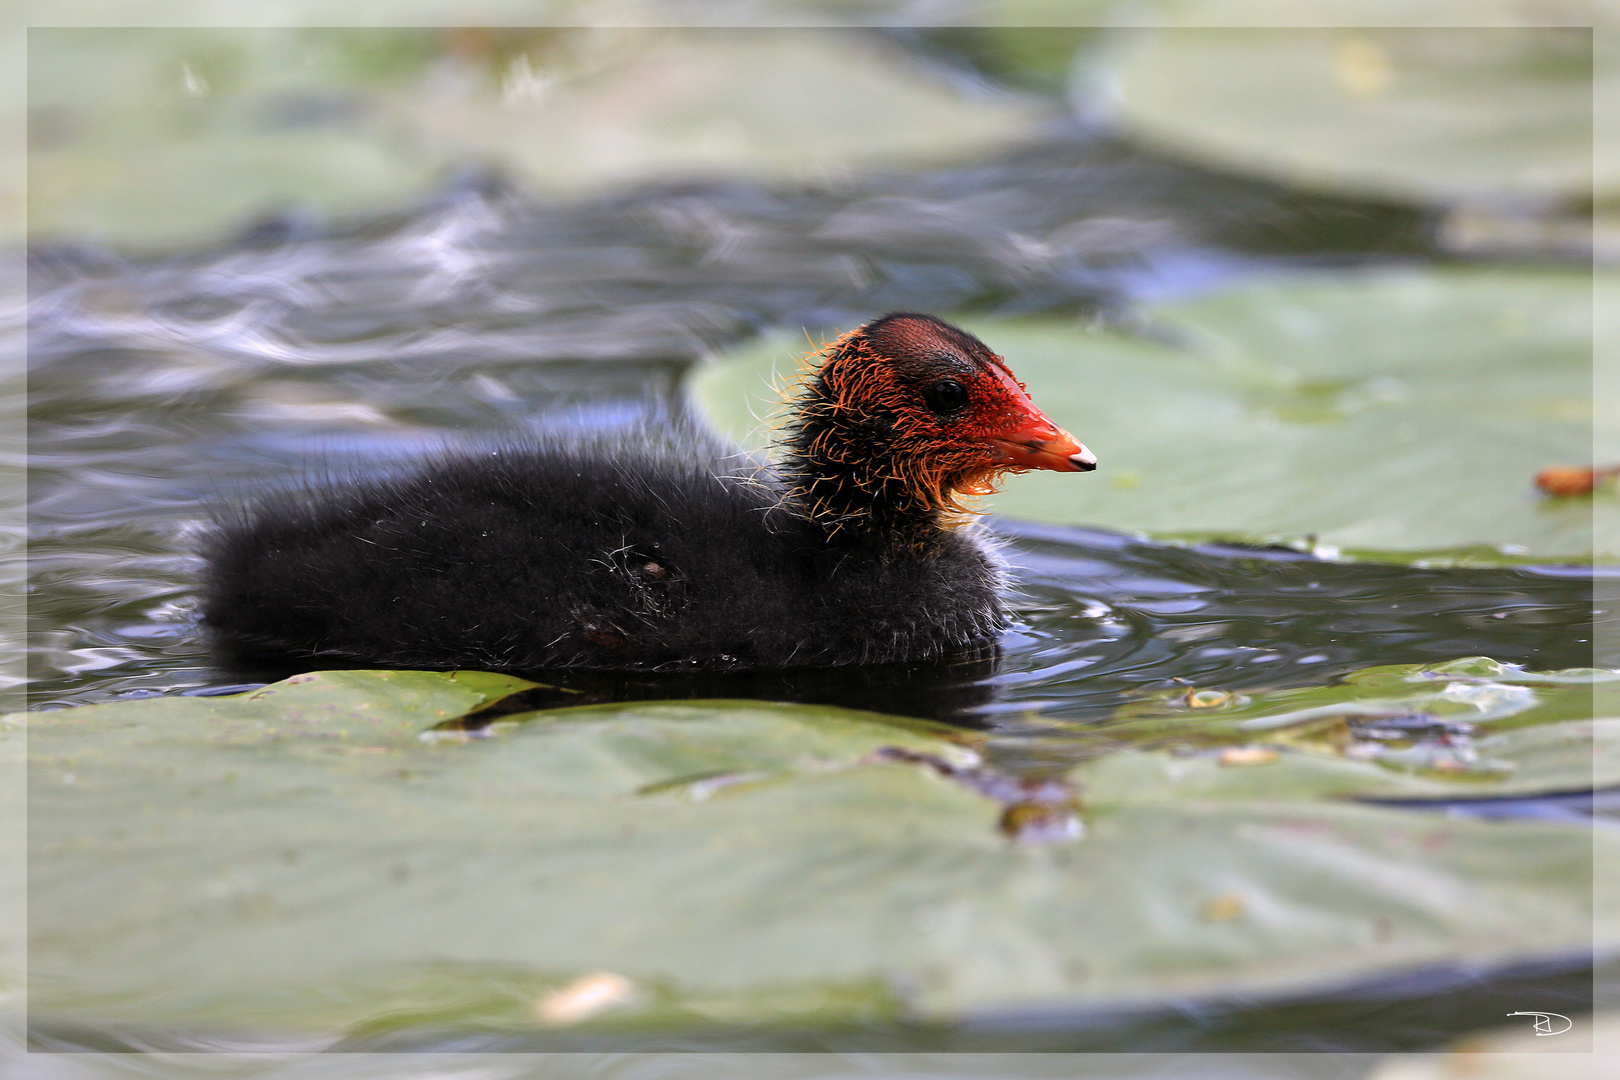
(853, 548)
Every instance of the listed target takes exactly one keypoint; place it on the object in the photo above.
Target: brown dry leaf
(1562, 481)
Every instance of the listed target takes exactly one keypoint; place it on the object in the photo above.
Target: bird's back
(549, 556)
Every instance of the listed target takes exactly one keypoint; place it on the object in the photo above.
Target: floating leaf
(1403, 729)
(1415, 113)
(254, 865)
(170, 135)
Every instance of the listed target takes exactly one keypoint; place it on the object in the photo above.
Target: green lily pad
(151, 135)
(1438, 113)
(1402, 414)
(1467, 727)
(318, 866)
(171, 135)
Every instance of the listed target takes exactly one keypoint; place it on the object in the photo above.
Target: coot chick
(854, 548)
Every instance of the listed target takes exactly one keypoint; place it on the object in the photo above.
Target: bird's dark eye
(946, 396)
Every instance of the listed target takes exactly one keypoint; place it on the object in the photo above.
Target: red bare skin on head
(876, 378)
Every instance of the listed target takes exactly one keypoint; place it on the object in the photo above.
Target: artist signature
(1548, 1023)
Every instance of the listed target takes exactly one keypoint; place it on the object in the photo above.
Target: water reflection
(955, 691)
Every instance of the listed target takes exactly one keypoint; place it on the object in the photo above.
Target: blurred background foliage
(147, 135)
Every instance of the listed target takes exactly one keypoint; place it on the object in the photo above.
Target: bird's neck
(840, 474)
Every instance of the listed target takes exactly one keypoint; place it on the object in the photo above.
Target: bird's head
(910, 401)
